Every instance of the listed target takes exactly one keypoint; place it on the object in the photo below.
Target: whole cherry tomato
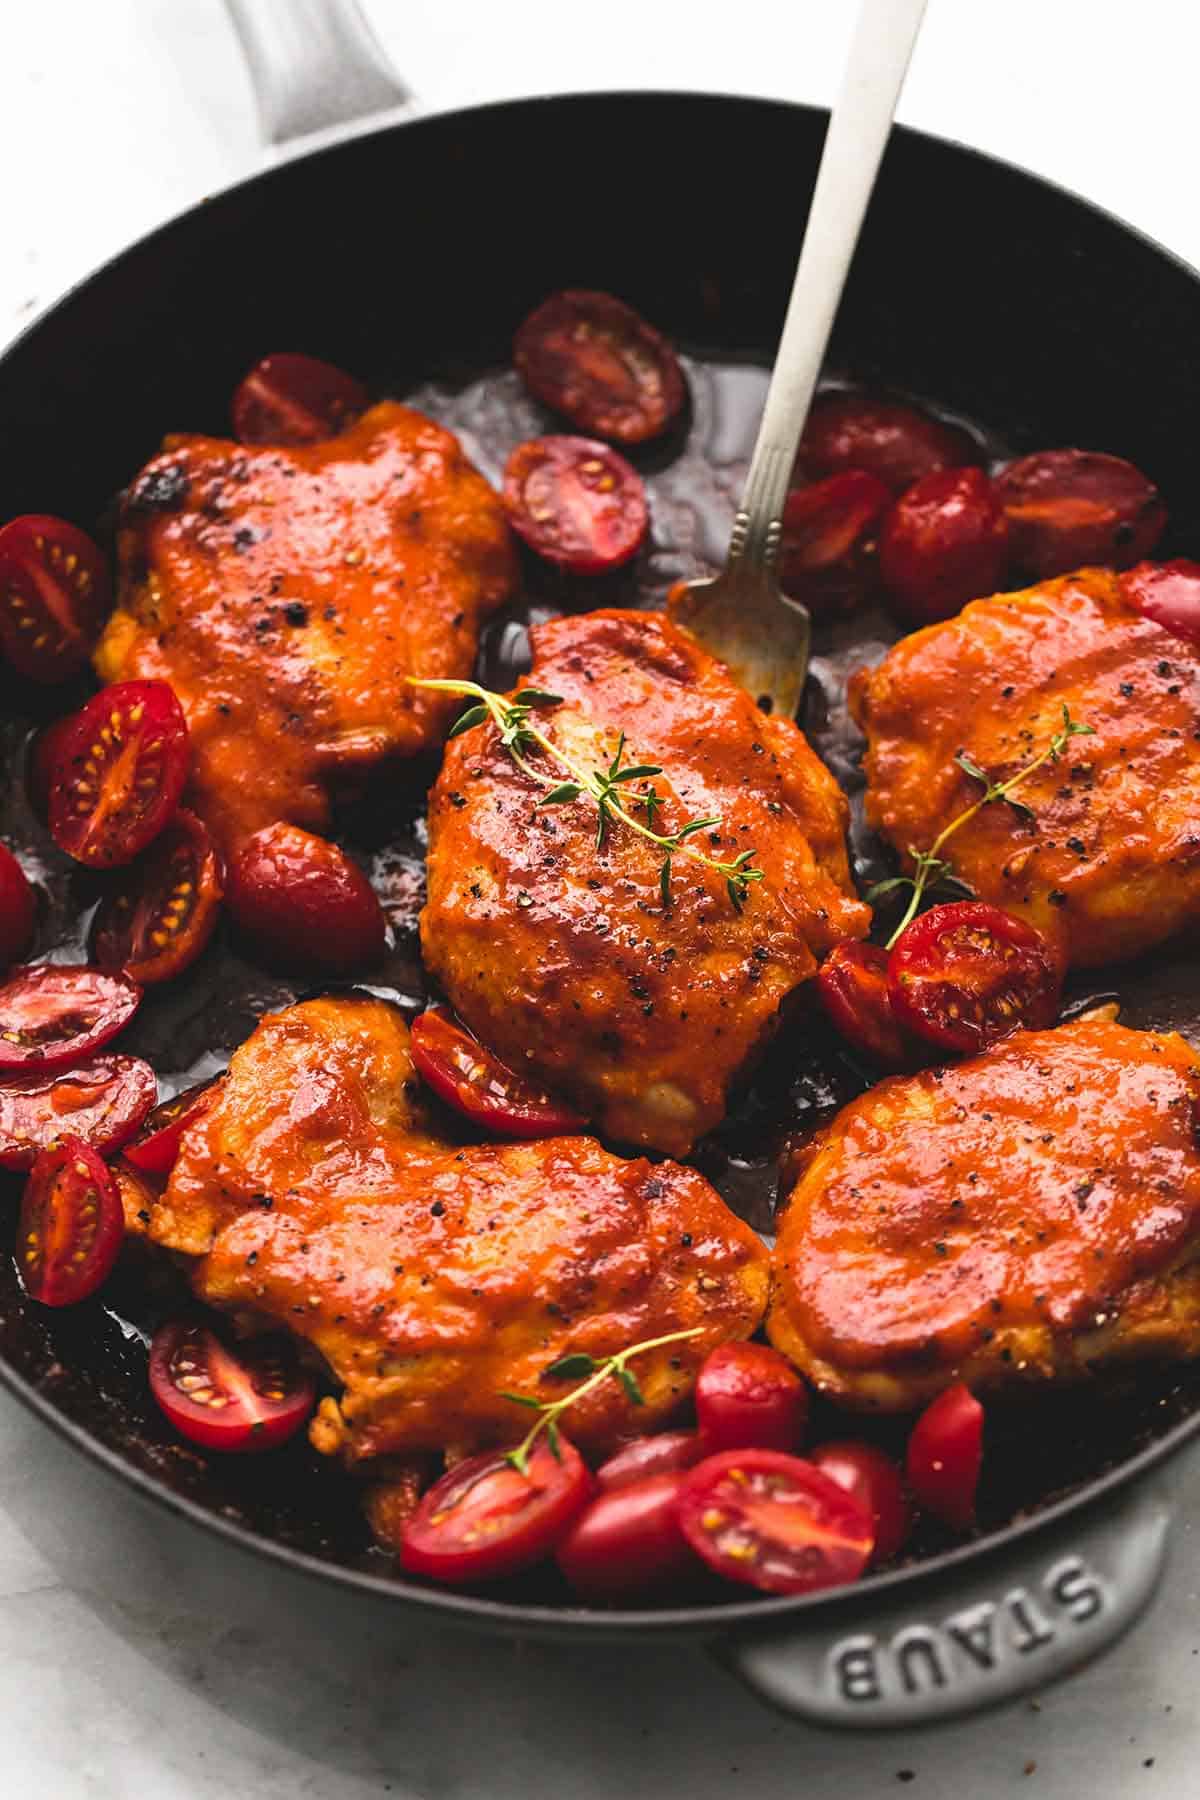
(876, 1484)
(303, 902)
(576, 502)
(966, 974)
(1168, 593)
(54, 1014)
(896, 443)
(1067, 508)
(830, 530)
(774, 1522)
(945, 1456)
(71, 1227)
(485, 1519)
(54, 596)
(159, 919)
(118, 773)
(852, 986)
(477, 1084)
(154, 1148)
(18, 908)
(254, 1398)
(288, 398)
(595, 360)
(628, 1541)
(748, 1396)
(662, 1453)
(943, 543)
(101, 1102)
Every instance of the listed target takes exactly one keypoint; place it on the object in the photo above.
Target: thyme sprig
(578, 1362)
(610, 789)
(929, 866)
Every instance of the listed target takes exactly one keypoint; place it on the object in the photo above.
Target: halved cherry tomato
(251, 1398)
(288, 398)
(1066, 508)
(157, 922)
(484, 1519)
(852, 986)
(303, 902)
(101, 1101)
(876, 1484)
(594, 359)
(774, 1522)
(156, 1145)
(71, 1227)
(749, 1396)
(54, 596)
(827, 553)
(1168, 593)
(896, 443)
(18, 908)
(964, 975)
(662, 1453)
(45, 753)
(477, 1084)
(576, 502)
(943, 543)
(119, 773)
(628, 1541)
(945, 1456)
(138, 1196)
(53, 1015)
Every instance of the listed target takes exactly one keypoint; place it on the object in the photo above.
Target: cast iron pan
(409, 256)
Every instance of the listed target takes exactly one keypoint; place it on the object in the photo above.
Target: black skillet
(409, 255)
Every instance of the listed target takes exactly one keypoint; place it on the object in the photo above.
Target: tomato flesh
(964, 975)
(485, 1519)
(119, 773)
(1068, 508)
(1168, 593)
(576, 502)
(827, 552)
(944, 542)
(877, 1485)
(774, 1522)
(896, 443)
(662, 1453)
(852, 986)
(749, 1396)
(157, 922)
(101, 1102)
(945, 1456)
(289, 398)
(595, 360)
(54, 596)
(71, 1227)
(477, 1084)
(254, 1398)
(18, 908)
(53, 1015)
(154, 1148)
(304, 903)
(628, 1541)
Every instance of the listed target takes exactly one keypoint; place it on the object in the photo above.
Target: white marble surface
(138, 1662)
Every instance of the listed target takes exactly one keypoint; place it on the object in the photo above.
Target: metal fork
(742, 615)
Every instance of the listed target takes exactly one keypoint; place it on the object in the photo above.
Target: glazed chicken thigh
(1026, 1215)
(431, 1277)
(559, 951)
(1104, 854)
(287, 593)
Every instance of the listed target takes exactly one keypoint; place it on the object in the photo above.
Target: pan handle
(315, 66)
(976, 1636)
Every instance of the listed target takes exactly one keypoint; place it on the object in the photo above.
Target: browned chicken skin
(431, 1277)
(1029, 1214)
(1109, 865)
(560, 955)
(286, 594)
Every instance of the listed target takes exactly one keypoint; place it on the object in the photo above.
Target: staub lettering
(968, 1646)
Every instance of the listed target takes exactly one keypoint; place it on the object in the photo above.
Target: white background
(127, 1665)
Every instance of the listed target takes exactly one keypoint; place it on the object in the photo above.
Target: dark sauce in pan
(91, 1359)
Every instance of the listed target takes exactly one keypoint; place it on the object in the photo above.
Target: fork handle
(880, 49)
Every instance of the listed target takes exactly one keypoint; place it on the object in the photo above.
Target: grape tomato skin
(830, 531)
(18, 908)
(155, 1146)
(119, 773)
(1168, 593)
(576, 503)
(101, 1101)
(304, 902)
(964, 975)
(627, 1541)
(894, 442)
(52, 1015)
(944, 543)
(945, 1457)
(484, 1519)
(876, 1483)
(748, 1396)
(71, 1226)
(54, 596)
(589, 356)
(1070, 508)
(252, 1399)
(774, 1522)
(852, 986)
(661, 1453)
(466, 1075)
(288, 398)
